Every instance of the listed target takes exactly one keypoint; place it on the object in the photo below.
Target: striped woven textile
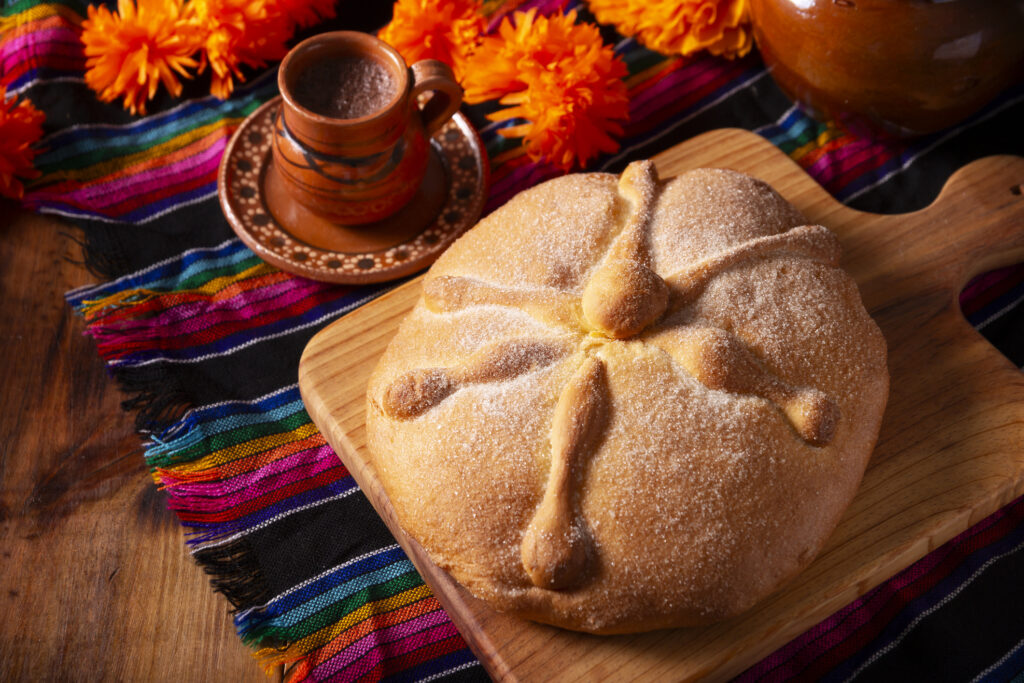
(206, 338)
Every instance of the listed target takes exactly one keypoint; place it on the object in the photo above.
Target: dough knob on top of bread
(623, 298)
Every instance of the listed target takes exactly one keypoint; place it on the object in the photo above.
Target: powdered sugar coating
(561, 230)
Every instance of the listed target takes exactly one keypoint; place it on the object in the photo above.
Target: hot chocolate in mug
(351, 139)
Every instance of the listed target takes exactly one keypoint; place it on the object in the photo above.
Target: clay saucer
(289, 236)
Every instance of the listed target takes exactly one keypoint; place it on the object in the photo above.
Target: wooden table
(95, 580)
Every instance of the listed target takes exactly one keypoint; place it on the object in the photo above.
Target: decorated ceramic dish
(289, 236)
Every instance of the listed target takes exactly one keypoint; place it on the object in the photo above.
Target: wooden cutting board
(951, 450)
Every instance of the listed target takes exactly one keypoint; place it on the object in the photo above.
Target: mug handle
(431, 74)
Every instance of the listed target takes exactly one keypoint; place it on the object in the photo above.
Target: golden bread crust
(624, 404)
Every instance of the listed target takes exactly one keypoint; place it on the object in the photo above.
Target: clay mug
(351, 136)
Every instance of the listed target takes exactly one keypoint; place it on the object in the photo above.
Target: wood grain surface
(95, 581)
(948, 455)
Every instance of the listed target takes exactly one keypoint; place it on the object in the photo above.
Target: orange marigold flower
(561, 78)
(131, 52)
(21, 125)
(305, 13)
(503, 62)
(236, 33)
(722, 27)
(446, 30)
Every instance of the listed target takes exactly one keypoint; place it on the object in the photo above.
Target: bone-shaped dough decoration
(415, 392)
(556, 542)
(624, 295)
(720, 360)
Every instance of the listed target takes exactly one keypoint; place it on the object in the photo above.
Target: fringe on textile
(234, 572)
(155, 397)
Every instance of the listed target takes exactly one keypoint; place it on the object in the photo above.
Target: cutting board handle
(976, 223)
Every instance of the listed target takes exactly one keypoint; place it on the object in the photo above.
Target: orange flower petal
(236, 33)
(304, 13)
(130, 53)
(560, 78)
(722, 27)
(21, 126)
(446, 30)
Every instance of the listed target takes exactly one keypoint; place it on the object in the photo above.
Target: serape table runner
(206, 338)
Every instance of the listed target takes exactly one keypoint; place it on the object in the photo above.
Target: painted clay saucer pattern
(290, 237)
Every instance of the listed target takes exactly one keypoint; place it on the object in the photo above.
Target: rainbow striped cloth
(206, 339)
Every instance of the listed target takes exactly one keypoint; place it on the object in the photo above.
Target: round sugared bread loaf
(623, 404)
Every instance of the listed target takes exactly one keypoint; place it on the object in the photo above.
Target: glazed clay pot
(905, 67)
(360, 170)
